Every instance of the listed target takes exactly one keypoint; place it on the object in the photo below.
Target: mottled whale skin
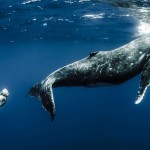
(103, 67)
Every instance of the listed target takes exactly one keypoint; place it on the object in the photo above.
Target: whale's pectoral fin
(46, 96)
(144, 83)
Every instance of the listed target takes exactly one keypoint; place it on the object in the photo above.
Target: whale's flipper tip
(138, 101)
(46, 96)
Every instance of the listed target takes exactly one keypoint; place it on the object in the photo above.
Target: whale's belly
(102, 84)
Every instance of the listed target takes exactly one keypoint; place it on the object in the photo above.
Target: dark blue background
(86, 118)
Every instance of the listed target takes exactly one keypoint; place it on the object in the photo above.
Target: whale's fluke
(45, 94)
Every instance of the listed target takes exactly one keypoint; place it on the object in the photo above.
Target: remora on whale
(103, 67)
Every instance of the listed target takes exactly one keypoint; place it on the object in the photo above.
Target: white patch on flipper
(140, 98)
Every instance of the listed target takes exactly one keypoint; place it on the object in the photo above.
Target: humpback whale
(103, 67)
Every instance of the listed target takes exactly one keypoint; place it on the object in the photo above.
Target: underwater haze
(39, 36)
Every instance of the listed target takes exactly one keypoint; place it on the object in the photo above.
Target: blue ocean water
(39, 36)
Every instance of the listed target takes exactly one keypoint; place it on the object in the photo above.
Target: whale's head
(34, 90)
(3, 97)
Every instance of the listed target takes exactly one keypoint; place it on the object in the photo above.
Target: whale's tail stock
(45, 94)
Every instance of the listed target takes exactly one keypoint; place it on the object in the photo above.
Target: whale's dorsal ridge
(93, 54)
